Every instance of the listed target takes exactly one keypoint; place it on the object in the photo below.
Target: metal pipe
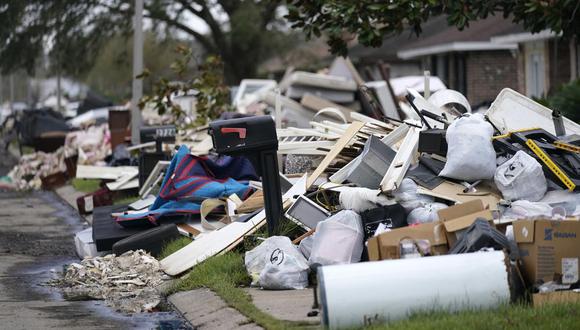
(362, 294)
(137, 70)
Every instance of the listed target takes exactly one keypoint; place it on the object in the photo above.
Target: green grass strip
(224, 274)
(515, 316)
(85, 185)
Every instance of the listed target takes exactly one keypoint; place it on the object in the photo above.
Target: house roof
(439, 37)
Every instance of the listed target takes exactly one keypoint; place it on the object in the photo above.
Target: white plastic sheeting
(358, 295)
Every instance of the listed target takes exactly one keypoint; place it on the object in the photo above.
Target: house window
(535, 69)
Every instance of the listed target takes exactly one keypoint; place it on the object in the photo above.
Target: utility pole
(137, 70)
(11, 93)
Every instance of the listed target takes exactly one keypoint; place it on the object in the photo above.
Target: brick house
(480, 60)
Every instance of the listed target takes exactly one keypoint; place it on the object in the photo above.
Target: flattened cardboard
(386, 245)
(557, 297)
(454, 192)
(459, 217)
(550, 249)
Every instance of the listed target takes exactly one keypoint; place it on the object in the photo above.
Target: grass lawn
(557, 316)
(85, 185)
(226, 275)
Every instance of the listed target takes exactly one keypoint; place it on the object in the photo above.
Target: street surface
(36, 240)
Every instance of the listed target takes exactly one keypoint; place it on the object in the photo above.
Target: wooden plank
(340, 144)
(252, 203)
(402, 161)
(217, 241)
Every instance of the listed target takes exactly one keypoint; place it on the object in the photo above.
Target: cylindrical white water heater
(362, 294)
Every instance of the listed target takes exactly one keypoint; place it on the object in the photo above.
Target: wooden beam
(340, 144)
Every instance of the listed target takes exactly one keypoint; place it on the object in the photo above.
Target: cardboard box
(386, 245)
(459, 217)
(556, 297)
(549, 249)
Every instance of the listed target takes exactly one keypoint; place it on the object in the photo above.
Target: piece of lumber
(402, 161)
(303, 236)
(252, 203)
(340, 144)
(218, 241)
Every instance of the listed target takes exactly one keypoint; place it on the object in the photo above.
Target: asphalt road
(36, 241)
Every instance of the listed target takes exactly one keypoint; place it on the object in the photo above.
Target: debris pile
(460, 205)
(126, 283)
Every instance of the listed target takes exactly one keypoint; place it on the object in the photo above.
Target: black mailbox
(256, 139)
(164, 133)
(244, 134)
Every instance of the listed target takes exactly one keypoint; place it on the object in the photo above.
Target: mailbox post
(256, 139)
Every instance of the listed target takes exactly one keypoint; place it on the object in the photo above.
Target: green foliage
(212, 95)
(174, 246)
(567, 100)
(111, 73)
(243, 33)
(85, 185)
(370, 21)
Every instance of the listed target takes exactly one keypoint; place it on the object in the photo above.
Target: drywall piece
(214, 242)
(390, 140)
(85, 245)
(251, 86)
(306, 213)
(316, 103)
(385, 98)
(104, 172)
(318, 80)
(333, 95)
(343, 67)
(142, 203)
(402, 161)
(351, 297)
(401, 84)
(333, 153)
(373, 163)
(513, 111)
(127, 181)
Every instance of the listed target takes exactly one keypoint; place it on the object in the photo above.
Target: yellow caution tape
(551, 165)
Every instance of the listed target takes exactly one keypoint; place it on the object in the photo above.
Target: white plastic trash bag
(338, 240)
(470, 154)
(406, 195)
(425, 214)
(521, 177)
(305, 246)
(361, 199)
(524, 209)
(277, 264)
